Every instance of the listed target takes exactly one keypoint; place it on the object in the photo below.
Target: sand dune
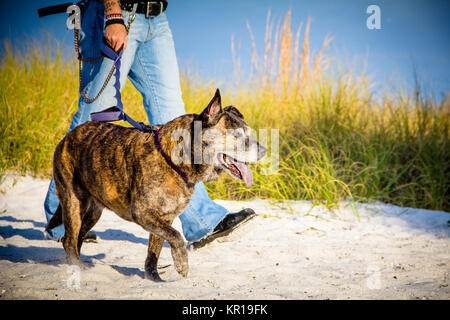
(292, 250)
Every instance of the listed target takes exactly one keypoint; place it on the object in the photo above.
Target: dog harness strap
(167, 158)
(111, 114)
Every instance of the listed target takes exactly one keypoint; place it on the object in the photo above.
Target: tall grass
(336, 140)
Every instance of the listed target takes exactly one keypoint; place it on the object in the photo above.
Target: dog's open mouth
(237, 168)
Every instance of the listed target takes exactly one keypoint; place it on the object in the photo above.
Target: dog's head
(227, 144)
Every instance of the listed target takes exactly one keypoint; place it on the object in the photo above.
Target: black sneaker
(231, 222)
(90, 237)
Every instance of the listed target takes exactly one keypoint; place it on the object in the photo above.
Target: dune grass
(336, 141)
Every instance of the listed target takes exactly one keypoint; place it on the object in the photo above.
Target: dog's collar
(167, 158)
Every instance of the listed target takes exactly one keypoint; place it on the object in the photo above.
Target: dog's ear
(234, 111)
(214, 109)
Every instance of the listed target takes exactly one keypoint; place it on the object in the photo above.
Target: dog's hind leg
(91, 212)
(155, 245)
(67, 189)
(72, 225)
(71, 207)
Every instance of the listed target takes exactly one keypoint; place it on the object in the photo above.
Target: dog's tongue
(246, 172)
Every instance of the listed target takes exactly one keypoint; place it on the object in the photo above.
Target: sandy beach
(291, 250)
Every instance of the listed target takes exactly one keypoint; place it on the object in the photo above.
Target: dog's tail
(56, 220)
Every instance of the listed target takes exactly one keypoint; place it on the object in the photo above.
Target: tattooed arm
(115, 34)
(112, 6)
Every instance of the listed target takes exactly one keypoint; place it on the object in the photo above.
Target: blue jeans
(151, 65)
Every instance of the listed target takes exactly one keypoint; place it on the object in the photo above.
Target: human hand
(116, 36)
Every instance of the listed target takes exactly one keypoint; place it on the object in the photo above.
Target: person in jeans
(150, 63)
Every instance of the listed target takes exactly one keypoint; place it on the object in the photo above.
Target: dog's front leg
(155, 245)
(157, 226)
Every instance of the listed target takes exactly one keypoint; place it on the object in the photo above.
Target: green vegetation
(336, 140)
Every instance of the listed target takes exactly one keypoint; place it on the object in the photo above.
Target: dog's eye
(238, 133)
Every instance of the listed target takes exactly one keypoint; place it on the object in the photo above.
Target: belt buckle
(147, 11)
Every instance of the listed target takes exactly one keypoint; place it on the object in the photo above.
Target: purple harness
(167, 158)
(116, 113)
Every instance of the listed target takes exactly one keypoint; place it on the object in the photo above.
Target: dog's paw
(153, 275)
(78, 263)
(180, 259)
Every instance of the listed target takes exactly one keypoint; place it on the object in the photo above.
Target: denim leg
(201, 215)
(93, 77)
(155, 74)
(50, 205)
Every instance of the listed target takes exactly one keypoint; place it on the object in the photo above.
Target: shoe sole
(238, 230)
(89, 240)
(225, 236)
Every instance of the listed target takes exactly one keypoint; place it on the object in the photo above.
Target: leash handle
(107, 51)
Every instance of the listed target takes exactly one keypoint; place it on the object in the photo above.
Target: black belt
(60, 8)
(149, 8)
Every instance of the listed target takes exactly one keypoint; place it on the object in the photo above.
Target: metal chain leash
(81, 60)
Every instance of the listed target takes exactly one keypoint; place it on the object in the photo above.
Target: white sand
(288, 252)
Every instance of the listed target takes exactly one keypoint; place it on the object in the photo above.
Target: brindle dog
(101, 165)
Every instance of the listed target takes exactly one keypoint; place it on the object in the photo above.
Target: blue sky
(412, 32)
